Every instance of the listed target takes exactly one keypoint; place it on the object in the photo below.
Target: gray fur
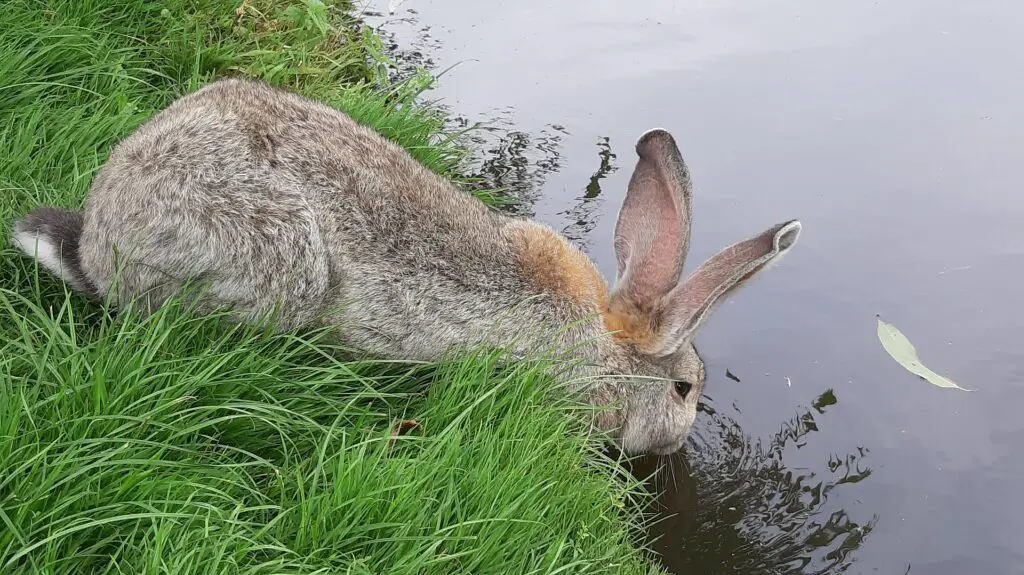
(281, 204)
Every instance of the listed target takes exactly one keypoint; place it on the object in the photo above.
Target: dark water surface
(895, 132)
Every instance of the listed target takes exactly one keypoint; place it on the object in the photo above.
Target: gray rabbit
(282, 206)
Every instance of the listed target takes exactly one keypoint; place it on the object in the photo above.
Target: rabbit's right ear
(652, 307)
(652, 234)
(722, 274)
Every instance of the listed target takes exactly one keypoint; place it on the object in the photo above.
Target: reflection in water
(513, 162)
(584, 216)
(407, 57)
(506, 160)
(731, 506)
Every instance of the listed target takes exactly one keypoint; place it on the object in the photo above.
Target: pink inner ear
(723, 273)
(653, 226)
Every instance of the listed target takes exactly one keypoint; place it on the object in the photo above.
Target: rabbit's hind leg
(255, 250)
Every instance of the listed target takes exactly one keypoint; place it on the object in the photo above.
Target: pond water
(891, 130)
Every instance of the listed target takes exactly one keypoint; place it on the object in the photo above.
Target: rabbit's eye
(683, 388)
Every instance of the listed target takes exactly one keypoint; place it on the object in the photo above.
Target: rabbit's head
(654, 310)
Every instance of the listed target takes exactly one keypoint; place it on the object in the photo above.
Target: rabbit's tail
(50, 236)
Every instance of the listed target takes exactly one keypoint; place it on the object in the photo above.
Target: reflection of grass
(169, 444)
(739, 509)
(513, 162)
(585, 212)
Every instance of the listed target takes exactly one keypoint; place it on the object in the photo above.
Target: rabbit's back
(283, 203)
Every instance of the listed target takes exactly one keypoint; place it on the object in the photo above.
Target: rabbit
(286, 207)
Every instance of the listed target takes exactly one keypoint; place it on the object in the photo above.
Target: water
(891, 129)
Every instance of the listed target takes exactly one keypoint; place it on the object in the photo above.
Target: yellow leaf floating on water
(900, 348)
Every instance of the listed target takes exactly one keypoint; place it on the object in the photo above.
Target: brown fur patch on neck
(629, 324)
(553, 265)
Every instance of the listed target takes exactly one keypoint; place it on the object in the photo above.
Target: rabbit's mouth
(660, 449)
(670, 449)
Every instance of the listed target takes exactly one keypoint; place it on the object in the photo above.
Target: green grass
(174, 444)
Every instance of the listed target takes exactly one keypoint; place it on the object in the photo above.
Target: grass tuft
(173, 443)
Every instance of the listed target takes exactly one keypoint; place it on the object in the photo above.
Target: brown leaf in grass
(401, 428)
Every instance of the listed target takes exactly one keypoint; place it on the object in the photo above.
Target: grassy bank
(171, 445)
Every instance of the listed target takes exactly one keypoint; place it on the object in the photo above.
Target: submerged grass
(175, 444)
